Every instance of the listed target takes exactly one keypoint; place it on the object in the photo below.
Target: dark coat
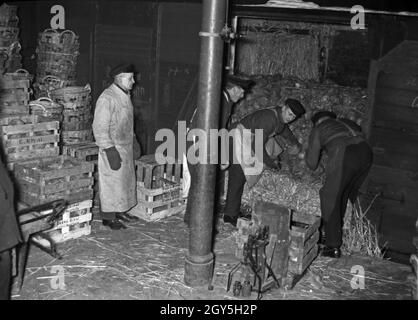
(330, 135)
(9, 228)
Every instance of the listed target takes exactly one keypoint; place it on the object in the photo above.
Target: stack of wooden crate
(158, 189)
(24, 137)
(77, 115)
(89, 152)
(293, 239)
(15, 93)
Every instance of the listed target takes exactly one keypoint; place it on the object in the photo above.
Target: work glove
(137, 149)
(114, 158)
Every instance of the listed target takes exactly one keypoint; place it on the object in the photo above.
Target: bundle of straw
(361, 237)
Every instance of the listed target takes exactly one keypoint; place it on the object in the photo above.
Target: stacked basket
(57, 54)
(10, 58)
(77, 116)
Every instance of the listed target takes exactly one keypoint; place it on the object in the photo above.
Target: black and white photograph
(209, 155)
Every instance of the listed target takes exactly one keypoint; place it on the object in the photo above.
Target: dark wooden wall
(394, 137)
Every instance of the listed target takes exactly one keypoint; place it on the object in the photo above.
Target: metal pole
(199, 261)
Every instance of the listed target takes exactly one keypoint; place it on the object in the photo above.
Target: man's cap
(232, 81)
(322, 114)
(122, 68)
(296, 107)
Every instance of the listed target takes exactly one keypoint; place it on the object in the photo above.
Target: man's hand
(137, 149)
(114, 158)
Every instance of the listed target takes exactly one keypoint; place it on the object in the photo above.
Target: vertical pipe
(199, 261)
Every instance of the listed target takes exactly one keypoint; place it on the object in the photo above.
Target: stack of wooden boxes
(47, 179)
(159, 191)
(293, 239)
(89, 152)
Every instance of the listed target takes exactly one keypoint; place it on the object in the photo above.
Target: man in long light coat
(113, 129)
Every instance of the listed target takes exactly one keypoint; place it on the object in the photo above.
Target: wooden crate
(149, 172)
(23, 137)
(70, 232)
(156, 204)
(76, 137)
(154, 211)
(75, 213)
(304, 234)
(48, 179)
(87, 151)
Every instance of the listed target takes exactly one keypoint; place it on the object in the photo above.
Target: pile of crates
(89, 152)
(77, 114)
(159, 191)
(57, 54)
(293, 237)
(10, 58)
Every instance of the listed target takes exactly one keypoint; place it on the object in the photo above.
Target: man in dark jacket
(349, 160)
(273, 122)
(9, 231)
(234, 90)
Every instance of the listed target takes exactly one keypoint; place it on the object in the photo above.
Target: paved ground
(146, 261)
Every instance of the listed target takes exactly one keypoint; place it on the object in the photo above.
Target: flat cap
(122, 68)
(296, 107)
(232, 81)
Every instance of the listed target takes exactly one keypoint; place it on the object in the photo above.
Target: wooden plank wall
(394, 138)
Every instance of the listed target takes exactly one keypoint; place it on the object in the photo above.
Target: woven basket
(53, 41)
(20, 74)
(8, 35)
(46, 108)
(49, 83)
(72, 97)
(56, 57)
(8, 10)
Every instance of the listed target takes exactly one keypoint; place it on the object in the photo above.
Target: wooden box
(304, 237)
(23, 137)
(76, 137)
(48, 179)
(149, 172)
(159, 203)
(75, 213)
(70, 232)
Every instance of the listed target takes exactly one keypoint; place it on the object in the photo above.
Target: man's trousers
(345, 173)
